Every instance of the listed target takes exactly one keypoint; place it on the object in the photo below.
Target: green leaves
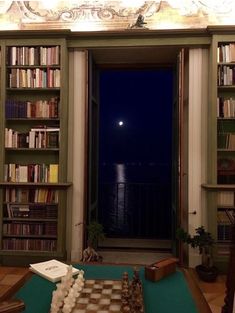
(201, 239)
(95, 233)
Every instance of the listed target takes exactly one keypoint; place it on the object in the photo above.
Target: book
(53, 173)
(53, 270)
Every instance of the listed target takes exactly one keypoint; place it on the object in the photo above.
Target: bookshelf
(221, 150)
(33, 177)
(225, 142)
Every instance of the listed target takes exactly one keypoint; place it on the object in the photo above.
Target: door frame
(180, 159)
(194, 38)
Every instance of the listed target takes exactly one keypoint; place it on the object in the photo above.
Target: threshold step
(163, 245)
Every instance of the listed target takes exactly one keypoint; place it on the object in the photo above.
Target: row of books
(29, 244)
(26, 211)
(225, 198)
(32, 109)
(34, 78)
(223, 232)
(39, 137)
(32, 228)
(226, 216)
(25, 195)
(225, 107)
(226, 75)
(226, 141)
(37, 55)
(226, 53)
(37, 173)
(223, 248)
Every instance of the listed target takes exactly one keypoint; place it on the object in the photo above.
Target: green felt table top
(168, 295)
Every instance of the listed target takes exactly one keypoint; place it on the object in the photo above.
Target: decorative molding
(110, 15)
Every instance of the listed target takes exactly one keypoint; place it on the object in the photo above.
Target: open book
(52, 270)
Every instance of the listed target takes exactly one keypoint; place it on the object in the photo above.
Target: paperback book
(52, 270)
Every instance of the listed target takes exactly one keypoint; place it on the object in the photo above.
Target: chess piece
(62, 290)
(136, 279)
(125, 293)
(125, 280)
(137, 300)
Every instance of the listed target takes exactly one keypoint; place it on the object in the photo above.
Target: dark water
(135, 172)
(135, 200)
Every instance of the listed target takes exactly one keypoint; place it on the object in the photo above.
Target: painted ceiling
(97, 15)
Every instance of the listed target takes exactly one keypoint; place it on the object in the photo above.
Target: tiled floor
(11, 278)
(214, 293)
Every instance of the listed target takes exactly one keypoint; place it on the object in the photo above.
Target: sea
(135, 199)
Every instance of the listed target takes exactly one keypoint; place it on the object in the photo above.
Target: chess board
(100, 296)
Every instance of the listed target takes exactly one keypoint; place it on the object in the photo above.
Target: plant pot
(207, 274)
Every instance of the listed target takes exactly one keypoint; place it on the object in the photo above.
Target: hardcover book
(52, 270)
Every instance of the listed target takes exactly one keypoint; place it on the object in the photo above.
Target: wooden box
(160, 269)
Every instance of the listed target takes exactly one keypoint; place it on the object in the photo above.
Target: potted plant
(204, 241)
(95, 233)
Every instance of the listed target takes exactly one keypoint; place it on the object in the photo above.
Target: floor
(134, 257)
(12, 278)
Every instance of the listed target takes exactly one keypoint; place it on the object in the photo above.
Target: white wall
(197, 151)
(76, 157)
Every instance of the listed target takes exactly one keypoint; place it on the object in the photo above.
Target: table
(171, 294)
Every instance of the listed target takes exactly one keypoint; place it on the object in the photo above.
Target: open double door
(145, 58)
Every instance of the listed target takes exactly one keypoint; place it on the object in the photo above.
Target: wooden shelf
(30, 236)
(29, 119)
(35, 185)
(217, 187)
(28, 219)
(228, 87)
(32, 149)
(34, 66)
(33, 89)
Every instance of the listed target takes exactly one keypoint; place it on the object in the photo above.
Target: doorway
(139, 61)
(135, 152)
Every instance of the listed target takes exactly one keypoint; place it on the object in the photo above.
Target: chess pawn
(125, 281)
(136, 276)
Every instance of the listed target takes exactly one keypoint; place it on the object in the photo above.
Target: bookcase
(34, 155)
(221, 146)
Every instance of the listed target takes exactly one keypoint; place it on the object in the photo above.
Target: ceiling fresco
(115, 15)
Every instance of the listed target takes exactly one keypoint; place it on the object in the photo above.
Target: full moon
(120, 123)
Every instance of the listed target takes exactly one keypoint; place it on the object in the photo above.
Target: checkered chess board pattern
(100, 296)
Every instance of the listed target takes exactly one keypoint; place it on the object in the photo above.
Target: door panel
(179, 217)
(93, 139)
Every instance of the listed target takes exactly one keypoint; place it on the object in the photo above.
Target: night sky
(142, 99)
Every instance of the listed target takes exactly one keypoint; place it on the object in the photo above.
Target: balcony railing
(135, 210)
